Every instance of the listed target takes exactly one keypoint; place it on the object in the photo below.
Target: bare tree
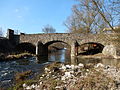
(48, 29)
(100, 10)
(91, 16)
(109, 11)
(1, 32)
(85, 18)
(114, 8)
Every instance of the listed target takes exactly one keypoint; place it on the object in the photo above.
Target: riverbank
(97, 56)
(59, 76)
(4, 57)
(8, 57)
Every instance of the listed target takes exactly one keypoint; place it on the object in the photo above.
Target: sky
(30, 16)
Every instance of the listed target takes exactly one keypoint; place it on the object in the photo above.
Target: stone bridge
(42, 41)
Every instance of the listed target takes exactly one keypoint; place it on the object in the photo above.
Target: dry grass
(93, 81)
(22, 76)
(16, 56)
(89, 79)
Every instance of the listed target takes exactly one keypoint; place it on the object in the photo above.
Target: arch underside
(90, 48)
(43, 48)
(54, 41)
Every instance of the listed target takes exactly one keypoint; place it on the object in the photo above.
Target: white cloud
(20, 16)
(26, 8)
(17, 10)
(21, 12)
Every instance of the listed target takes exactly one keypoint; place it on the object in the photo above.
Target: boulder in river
(110, 50)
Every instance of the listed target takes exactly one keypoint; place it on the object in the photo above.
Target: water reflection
(64, 56)
(75, 60)
(60, 55)
(24, 62)
(41, 59)
(111, 62)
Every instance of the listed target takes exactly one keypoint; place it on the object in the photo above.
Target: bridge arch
(57, 44)
(91, 48)
(42, 47)
(55, 41)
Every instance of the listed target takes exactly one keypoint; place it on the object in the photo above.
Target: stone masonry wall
(65, 37)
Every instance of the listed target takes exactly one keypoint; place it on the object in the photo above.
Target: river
(10, 68)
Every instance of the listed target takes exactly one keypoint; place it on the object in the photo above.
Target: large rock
(110, 50)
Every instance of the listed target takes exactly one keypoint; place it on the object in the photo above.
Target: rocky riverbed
(60, 76)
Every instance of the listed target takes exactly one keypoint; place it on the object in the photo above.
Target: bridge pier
(41, 51)
(74, 50)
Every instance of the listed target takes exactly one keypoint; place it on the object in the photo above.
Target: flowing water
(10, 68)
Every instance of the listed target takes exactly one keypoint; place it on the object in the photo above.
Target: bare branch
(48, 29)
(102, 14)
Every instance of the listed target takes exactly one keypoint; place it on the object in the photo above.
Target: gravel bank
(59, 76)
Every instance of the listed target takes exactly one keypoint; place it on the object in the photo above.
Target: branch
(102, 15)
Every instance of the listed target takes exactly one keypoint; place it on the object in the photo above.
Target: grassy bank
(4, 57)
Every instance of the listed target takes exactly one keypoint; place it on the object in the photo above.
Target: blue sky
(30, 16)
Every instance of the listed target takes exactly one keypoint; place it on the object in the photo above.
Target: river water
(10, 68)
